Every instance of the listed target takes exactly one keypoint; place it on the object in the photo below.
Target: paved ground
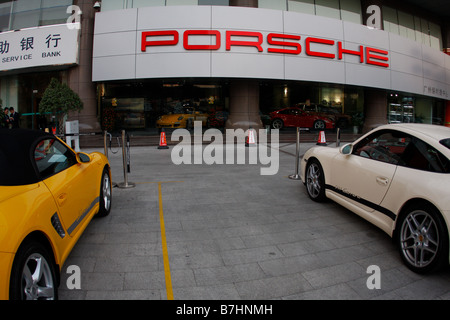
(230, 233)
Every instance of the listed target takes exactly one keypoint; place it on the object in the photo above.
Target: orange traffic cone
(53, 130)
(321, 141)
(250, 140)
(162, 140)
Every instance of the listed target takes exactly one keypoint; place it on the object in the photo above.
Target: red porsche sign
(276, 43)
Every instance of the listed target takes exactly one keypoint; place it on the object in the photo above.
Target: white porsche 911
(397, 177)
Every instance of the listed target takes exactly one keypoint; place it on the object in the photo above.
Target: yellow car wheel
(105, 194)
(33, 275)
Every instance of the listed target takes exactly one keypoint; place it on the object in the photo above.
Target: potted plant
(58, 99)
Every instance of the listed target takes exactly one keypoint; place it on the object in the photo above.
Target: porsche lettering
(272, 43)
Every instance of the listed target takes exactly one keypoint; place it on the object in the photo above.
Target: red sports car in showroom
(296, 117)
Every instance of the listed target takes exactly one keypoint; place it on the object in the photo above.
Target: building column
(244, 105)
(375, 108)
(446, 44)
(244, 3)
(80, 77)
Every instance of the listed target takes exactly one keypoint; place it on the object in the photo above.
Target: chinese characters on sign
(435, 91)
(57, 45)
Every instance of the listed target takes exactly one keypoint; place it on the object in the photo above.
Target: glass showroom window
(54, 12)
(33, 13)
(272, 4)
(213, 2)
(25, 14)
(304, 6)
(5, 13)
(347, 10)
(108, 5)
(351, 11)
(328, 8)
(412, 27)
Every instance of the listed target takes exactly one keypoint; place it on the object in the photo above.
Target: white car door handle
(382, 181)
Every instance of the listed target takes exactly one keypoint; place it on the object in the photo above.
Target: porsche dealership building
(134, 61)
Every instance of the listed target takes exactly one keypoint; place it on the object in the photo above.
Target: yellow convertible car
(48, 196)
(182, 120)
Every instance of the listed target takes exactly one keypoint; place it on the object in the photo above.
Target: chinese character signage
(36, 47)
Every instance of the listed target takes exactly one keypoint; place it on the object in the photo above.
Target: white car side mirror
(346, 149)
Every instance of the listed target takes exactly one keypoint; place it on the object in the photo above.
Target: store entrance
(147, 107)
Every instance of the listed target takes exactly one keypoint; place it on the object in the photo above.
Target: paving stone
(234, 234)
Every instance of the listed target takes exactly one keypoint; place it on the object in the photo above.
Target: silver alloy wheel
(277, 124)
(419, 238)
(106, 191)
(319, 124)
(37, 280)
(313, 180)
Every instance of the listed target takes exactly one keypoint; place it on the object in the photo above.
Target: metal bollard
(104, 143)
(296, 176)
(125, 184)
(338, 137)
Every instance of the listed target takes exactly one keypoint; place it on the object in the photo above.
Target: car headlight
(180, 118)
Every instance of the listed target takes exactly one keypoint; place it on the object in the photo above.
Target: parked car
(341, 120)
(48, 196)
(216, 118)
(296, 117)
(396, 177)
(182, 120)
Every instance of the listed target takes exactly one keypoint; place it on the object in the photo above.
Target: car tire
(277, 124)
(423, 239)
(33, 274)
(315, 181)
(105, 194)
(319, 125)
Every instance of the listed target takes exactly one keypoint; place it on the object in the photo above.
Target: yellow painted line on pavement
(150, 182)
(167, 275)
(164, 247)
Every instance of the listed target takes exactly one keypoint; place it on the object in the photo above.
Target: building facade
(41, 40)
(146, 64)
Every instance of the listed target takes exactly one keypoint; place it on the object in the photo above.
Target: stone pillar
(244, 3)
(80, 77)
(244, 105)
(375, 108)
(446, 44)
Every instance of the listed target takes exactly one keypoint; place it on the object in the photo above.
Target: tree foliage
(59, 98)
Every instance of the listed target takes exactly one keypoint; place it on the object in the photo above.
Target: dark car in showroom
(296, 117)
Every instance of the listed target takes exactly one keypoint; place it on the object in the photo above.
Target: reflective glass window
(272, 4)
(5, 13)
(304, 6)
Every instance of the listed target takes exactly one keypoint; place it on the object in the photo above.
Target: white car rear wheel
(423, 239)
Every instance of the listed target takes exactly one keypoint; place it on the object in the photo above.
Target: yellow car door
(72, 183)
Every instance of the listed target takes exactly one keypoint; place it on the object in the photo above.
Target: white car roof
(434, 132)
